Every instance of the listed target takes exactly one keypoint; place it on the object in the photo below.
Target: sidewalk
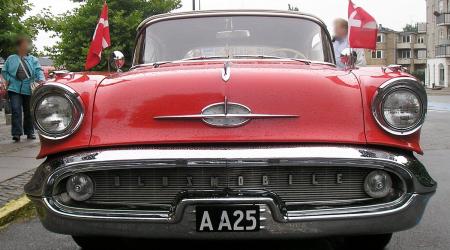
(17, 163)
(442, 92)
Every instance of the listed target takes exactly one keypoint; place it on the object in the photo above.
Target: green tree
(12, 24)
(410, 28)
(76, 28)
(419, 74)
(293, 8)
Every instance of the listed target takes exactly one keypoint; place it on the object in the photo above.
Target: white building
(438, 31)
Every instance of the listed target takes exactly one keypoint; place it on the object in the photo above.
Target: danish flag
(363, 29)
(100, 41)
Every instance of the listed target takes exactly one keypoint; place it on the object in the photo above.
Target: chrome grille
(292, 184)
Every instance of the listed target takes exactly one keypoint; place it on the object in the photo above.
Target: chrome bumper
(276, 220)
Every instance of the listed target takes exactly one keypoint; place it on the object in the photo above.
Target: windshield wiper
(203, 58)
(305, 61)
(199, 58)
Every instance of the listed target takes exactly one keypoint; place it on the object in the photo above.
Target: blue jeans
(20, 104)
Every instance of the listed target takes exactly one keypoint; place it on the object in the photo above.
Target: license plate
(227, 218)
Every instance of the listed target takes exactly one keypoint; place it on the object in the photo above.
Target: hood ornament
(226, 71)
(226, 115)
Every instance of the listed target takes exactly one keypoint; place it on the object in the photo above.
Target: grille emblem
(225, 114)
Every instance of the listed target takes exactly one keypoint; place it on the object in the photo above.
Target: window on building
(406, 39)
(420, 39)
(441, 6)
(377, 54)
(405, 54)
(421, 54)
(380, 38)
(441, 74)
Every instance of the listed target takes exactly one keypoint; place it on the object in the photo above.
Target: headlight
(400, 106)
(57, 111)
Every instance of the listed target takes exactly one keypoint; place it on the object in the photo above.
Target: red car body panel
(371, 78)
(85, 85)
(333, 106)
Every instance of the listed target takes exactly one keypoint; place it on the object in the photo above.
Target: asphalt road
(433, 233)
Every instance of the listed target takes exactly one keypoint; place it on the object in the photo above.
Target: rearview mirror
(233, 34)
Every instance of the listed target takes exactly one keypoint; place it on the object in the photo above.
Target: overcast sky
(393, 14)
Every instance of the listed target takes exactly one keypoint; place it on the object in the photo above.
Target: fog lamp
(378, 184)
(80, 187)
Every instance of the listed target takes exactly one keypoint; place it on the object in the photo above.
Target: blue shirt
(339, 45)
(9, 73)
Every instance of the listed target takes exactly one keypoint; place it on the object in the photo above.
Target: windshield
(233, 36)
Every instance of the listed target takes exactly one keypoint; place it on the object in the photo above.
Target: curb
(15, 209)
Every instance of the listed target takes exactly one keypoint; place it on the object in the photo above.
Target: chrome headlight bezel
(58, 89)
(406, 84)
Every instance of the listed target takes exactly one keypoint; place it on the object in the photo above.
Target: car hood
(326, 104)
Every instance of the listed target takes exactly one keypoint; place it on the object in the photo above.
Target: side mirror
(117, 60)
(348, 58)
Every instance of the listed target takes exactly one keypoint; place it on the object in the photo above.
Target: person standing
(20, 71)
(340, 42)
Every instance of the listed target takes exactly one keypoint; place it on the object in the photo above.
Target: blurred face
(339, 30)
(24, 46)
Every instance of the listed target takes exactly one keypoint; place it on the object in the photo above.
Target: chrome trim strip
(71, 95)
(326, 153)
(388, 87)
(251, 116)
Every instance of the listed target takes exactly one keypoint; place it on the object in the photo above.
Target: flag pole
(107, 58)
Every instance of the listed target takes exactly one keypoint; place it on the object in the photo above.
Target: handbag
(33, 84)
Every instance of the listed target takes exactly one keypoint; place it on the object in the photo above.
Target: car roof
(206, 13)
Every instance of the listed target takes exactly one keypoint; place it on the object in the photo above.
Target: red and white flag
(363, 29)
(100, 40)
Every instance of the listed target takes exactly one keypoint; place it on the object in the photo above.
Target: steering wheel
(297, 54)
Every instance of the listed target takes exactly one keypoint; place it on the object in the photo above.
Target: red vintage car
(231, 125)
